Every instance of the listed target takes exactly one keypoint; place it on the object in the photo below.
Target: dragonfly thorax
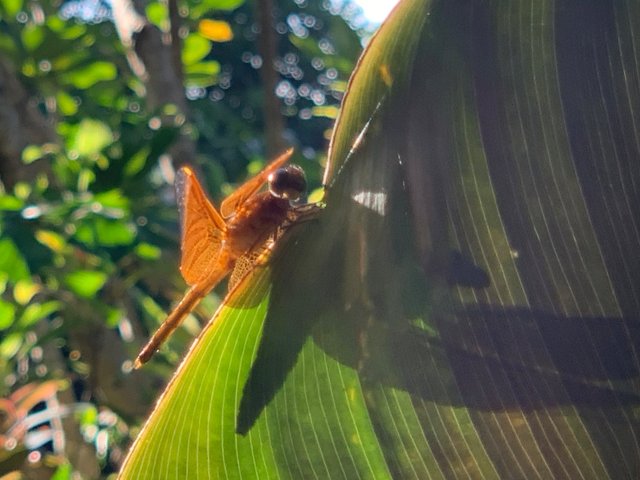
(257, 220)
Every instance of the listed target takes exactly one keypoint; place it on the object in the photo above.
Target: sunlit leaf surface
(466, 306)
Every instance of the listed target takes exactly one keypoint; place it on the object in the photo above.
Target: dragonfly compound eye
(288, 182)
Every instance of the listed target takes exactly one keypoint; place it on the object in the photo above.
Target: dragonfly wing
(246, 263)
(202, 228)
(242, 268)
(251, 186)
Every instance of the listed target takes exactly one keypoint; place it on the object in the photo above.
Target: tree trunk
(21, 124)
(267, 47)
(155, 58)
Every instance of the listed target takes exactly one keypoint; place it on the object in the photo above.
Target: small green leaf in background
(88, 416)
(66, 30)
(36, 312)
(12, 261)
(112, 233)
(200, 10)
(223, 4)
(158, 14)
(66, 104)
(91, 137)
(12, 7)
(24, 290)
(52, 240)
(325, 111)
(87, 76)
(63, 472)
(85, 283)
(10, 203)
(4, 277)
(31, 153)
(32, 36)
(106, 232)
(147, 251)
(10, 344)
(113, 317)
(113, 199)
(7, 314)
(22, 190)
(137, 161)
(195, 48)
(202, 74)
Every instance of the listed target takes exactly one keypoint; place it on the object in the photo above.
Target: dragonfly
(232, 241)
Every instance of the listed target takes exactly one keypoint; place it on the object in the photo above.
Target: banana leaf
(467, 304)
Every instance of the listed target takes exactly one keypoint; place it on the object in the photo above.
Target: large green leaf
(466, 305)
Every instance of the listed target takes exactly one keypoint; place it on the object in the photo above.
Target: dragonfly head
(288, 182)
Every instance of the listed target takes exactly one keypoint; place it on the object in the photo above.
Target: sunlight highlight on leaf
(52, 240)
(24, 290)
(215, 30)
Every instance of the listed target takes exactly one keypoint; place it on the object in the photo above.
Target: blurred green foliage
(89, 246)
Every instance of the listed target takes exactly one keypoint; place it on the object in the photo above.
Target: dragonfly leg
(302, 213)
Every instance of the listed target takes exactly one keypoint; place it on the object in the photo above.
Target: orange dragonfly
(233, 241)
